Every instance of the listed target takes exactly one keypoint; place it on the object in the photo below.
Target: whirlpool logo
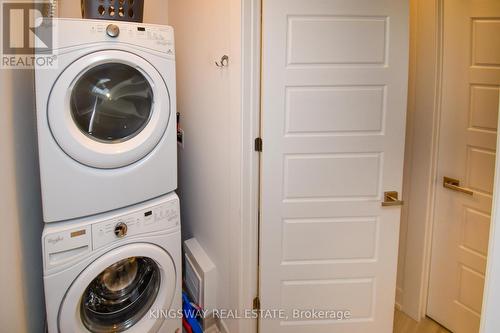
(55, 240)
(27, 34)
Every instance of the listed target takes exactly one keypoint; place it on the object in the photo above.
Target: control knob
(120, 230)
(112, 30)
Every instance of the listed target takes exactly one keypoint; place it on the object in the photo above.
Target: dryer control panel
(159, 38)
(143, 34)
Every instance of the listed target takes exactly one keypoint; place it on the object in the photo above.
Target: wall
(408, 161)
(210, 163)
(490, 321)
(21, 287)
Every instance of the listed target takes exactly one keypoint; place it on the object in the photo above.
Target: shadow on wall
(29, 209)
(22, 221)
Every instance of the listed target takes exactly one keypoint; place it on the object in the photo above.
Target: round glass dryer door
(109, 109)
(115, 292)
(120, 295)
(111, 102)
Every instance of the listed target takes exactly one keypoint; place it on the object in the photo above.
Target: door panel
(333, 119)
(467, 143)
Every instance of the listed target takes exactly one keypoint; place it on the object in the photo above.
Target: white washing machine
(119, 272)
(106, 117)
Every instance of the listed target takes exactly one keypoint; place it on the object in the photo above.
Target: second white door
(468, 133)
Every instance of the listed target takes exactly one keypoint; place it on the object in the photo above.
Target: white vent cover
(200, 275)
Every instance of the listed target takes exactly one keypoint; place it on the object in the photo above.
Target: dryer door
(109, 109)
(116, 292)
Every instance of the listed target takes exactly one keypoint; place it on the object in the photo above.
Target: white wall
(21, 287)
(408, 161)
(490, 321)
(210, 163)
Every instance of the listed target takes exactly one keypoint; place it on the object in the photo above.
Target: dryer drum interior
(111, 102)
(120, 295)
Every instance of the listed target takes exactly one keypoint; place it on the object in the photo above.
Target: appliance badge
(55, 240)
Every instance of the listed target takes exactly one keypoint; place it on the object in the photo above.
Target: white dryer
(120, 272)
(106, 117)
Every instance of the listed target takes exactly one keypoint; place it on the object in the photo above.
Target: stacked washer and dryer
(106, 126)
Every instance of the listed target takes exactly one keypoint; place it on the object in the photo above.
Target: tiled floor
(404, 324)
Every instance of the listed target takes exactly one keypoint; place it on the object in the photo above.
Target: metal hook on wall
(224, 61)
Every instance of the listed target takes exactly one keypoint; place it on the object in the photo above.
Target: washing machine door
(109, 109)
(117, 291)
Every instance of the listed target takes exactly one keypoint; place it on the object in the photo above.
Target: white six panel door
(468, 135)
(333, 125)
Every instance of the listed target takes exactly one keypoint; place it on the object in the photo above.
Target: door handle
(391, 198)
(454, 185)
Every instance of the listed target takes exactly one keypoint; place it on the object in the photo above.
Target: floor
(404, 324)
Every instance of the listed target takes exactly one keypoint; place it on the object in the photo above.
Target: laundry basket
(119, 10)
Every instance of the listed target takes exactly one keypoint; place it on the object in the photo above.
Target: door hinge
(258, 144)
(256, 303)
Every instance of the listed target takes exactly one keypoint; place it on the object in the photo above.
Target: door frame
(422, 142)
(423, 129)
(249, 37)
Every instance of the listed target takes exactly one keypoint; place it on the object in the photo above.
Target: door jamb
(423, 151)
(250, 167)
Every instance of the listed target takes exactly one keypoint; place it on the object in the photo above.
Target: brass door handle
(454, 185)
(391, 198)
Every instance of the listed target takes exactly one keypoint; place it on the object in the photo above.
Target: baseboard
(213, 329)
(222, 326)
(216, 325)
(399, 299)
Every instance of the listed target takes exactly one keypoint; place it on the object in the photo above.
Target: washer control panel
(157, 218)
(66, 246)
(67, 242)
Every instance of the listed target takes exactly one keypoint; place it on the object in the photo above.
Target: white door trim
(249, 35)
(422, 153)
